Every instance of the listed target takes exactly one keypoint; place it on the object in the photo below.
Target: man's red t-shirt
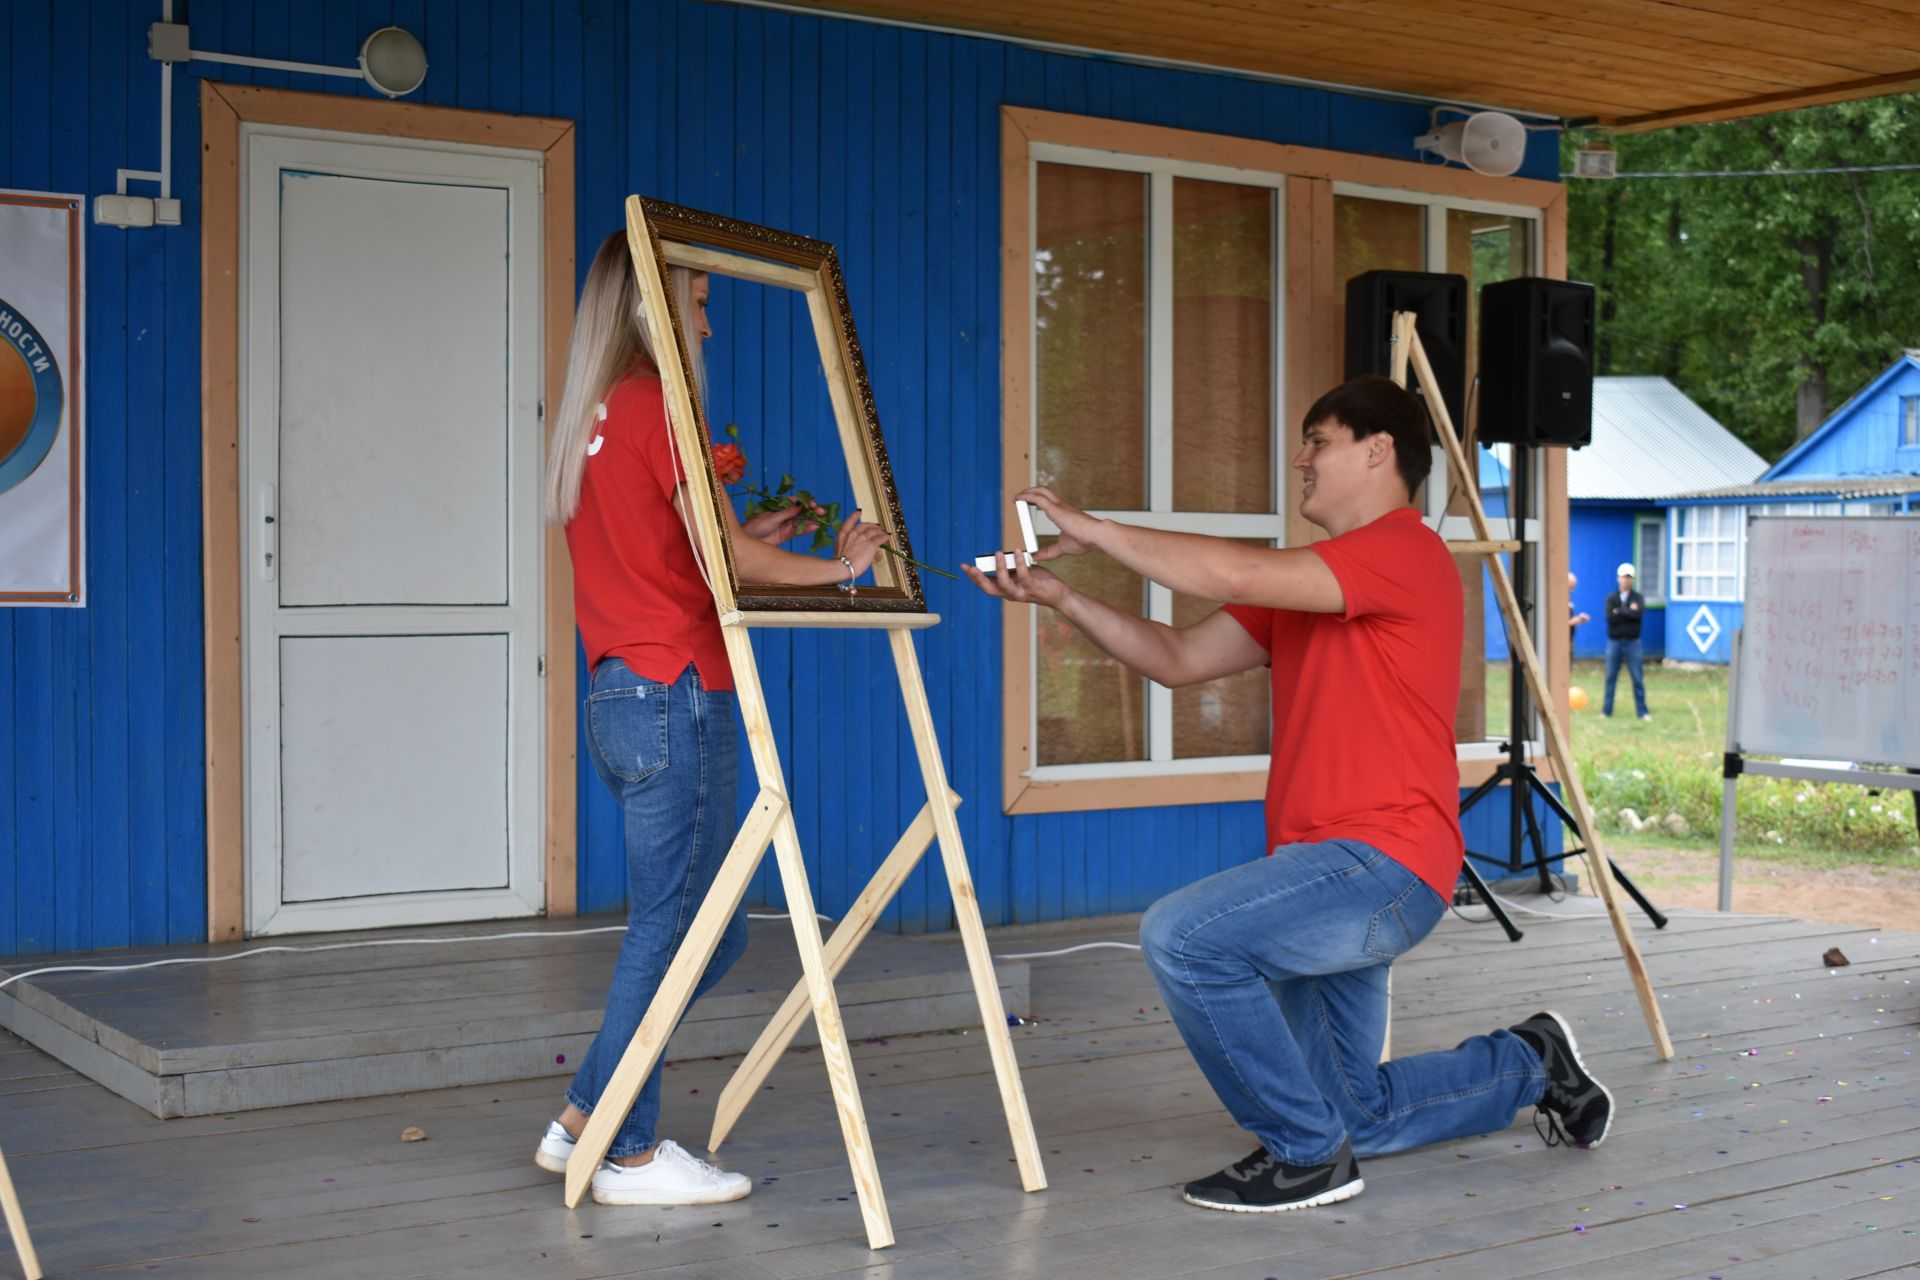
(637, 592)
(1363, 702)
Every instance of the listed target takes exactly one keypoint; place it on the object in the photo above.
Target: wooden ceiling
(1623, 64)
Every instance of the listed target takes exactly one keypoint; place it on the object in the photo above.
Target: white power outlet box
(127, 211)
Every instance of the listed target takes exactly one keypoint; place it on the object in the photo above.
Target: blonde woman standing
(660, 707)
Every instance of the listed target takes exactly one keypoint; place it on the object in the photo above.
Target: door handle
(269, 531)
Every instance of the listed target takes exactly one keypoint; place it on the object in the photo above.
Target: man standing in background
(1574, 616)
(1626, 610)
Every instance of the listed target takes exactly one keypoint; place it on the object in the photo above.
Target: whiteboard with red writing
(1829, 661)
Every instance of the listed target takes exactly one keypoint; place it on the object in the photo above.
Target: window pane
(1222, 347)
(1092, 709)
(1652, 568)
(1090, 319)
(1231, 716)
(1370, 235)
(1486, 248)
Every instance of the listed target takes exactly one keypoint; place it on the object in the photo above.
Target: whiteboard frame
(1734, 745)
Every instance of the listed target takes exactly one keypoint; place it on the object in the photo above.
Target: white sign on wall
(42, 293)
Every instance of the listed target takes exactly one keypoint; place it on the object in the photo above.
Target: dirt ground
(1886, 898)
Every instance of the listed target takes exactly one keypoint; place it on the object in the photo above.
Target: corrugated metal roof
(1833, 487)
(1651, 441)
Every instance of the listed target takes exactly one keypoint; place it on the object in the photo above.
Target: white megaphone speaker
(1489, 142)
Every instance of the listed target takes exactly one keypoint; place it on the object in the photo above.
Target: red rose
(729, 463)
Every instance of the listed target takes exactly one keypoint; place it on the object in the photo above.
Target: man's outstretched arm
(1194, 564)
(1172, 656)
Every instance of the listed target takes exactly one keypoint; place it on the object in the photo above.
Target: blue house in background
(1862, 461)
(1649, 442)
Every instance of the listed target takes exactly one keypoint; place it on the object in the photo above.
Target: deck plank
(1745, 1139)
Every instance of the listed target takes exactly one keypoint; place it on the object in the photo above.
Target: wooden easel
(771, 819)
(17, 1224)
(1407, 348)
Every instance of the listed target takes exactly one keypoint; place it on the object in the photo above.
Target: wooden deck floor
(1784, 1141)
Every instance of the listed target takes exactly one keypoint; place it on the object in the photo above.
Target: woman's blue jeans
(1276, 974)
(668, 755)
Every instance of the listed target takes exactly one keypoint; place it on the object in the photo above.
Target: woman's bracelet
(848, 586)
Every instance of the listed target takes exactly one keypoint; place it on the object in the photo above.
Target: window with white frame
(1157, 311)
(1377, 228)
(1910, 422)
(1650, 557)
(1706, 552)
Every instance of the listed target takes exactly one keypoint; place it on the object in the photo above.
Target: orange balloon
(1577, 698)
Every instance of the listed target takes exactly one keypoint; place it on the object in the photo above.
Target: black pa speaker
(1439, 304)
(1536, 362)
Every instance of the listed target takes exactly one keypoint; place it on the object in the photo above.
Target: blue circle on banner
(31, 397)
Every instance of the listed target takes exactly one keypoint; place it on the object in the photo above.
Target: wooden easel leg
(17, 1224)
(833, 1036)
(1407, 339)
(806, 935)
(966, 910)
(676, 991)
(846, 939)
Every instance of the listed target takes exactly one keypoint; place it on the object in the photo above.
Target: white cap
(1624, 571)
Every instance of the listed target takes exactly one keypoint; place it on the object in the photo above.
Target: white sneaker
(555, 1149)
(673, 1176)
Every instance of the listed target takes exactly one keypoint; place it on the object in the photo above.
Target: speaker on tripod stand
(1536, 362)
(1536, 389)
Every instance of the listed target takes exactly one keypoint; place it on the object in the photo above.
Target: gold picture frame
(663, 235)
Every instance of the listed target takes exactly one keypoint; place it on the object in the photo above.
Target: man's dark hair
(1372, 403)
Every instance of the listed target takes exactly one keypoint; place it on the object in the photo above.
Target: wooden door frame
(223, 109)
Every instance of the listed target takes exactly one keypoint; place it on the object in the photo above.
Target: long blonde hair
(608, 337)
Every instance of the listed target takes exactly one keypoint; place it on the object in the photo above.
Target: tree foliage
(1770, 300)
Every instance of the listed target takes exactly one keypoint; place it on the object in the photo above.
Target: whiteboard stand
(1729, 773)
(1737, 762)
(1826, 663)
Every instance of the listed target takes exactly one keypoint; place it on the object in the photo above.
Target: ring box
(1015, 559)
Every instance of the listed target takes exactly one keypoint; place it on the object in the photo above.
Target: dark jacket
(1624, 619)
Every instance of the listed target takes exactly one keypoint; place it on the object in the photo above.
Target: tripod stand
(1516, 772)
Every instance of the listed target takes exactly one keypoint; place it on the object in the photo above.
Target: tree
(1772, 299)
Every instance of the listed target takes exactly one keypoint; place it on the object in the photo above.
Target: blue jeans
(1627, 651)
(1276, 974)
(668, 755)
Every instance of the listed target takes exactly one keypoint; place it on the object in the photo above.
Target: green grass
(1671, 764)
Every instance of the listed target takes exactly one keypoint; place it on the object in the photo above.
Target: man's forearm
(1223, 569)
(1147, 648)
(1190, 564)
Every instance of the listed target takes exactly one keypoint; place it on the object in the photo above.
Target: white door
(390, 461)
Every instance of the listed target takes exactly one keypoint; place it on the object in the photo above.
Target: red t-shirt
(1363, 702)
(637, 592)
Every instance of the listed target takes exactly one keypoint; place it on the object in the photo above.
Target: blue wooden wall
(1863, 437)
(1599, 537)
(882, 140)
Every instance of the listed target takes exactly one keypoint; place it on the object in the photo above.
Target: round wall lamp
(393, 62)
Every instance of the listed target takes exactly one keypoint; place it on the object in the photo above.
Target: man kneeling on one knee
(1276, 971)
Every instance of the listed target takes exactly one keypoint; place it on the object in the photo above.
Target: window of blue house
(1910, 422)
(1706, 553)
(1650, 557)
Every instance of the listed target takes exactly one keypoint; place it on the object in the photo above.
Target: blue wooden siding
(1599, 537)
(1863, 437)
(884, 141)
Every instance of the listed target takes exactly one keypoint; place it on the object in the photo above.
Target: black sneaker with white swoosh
(1262, 1184)
(1578, 1108)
